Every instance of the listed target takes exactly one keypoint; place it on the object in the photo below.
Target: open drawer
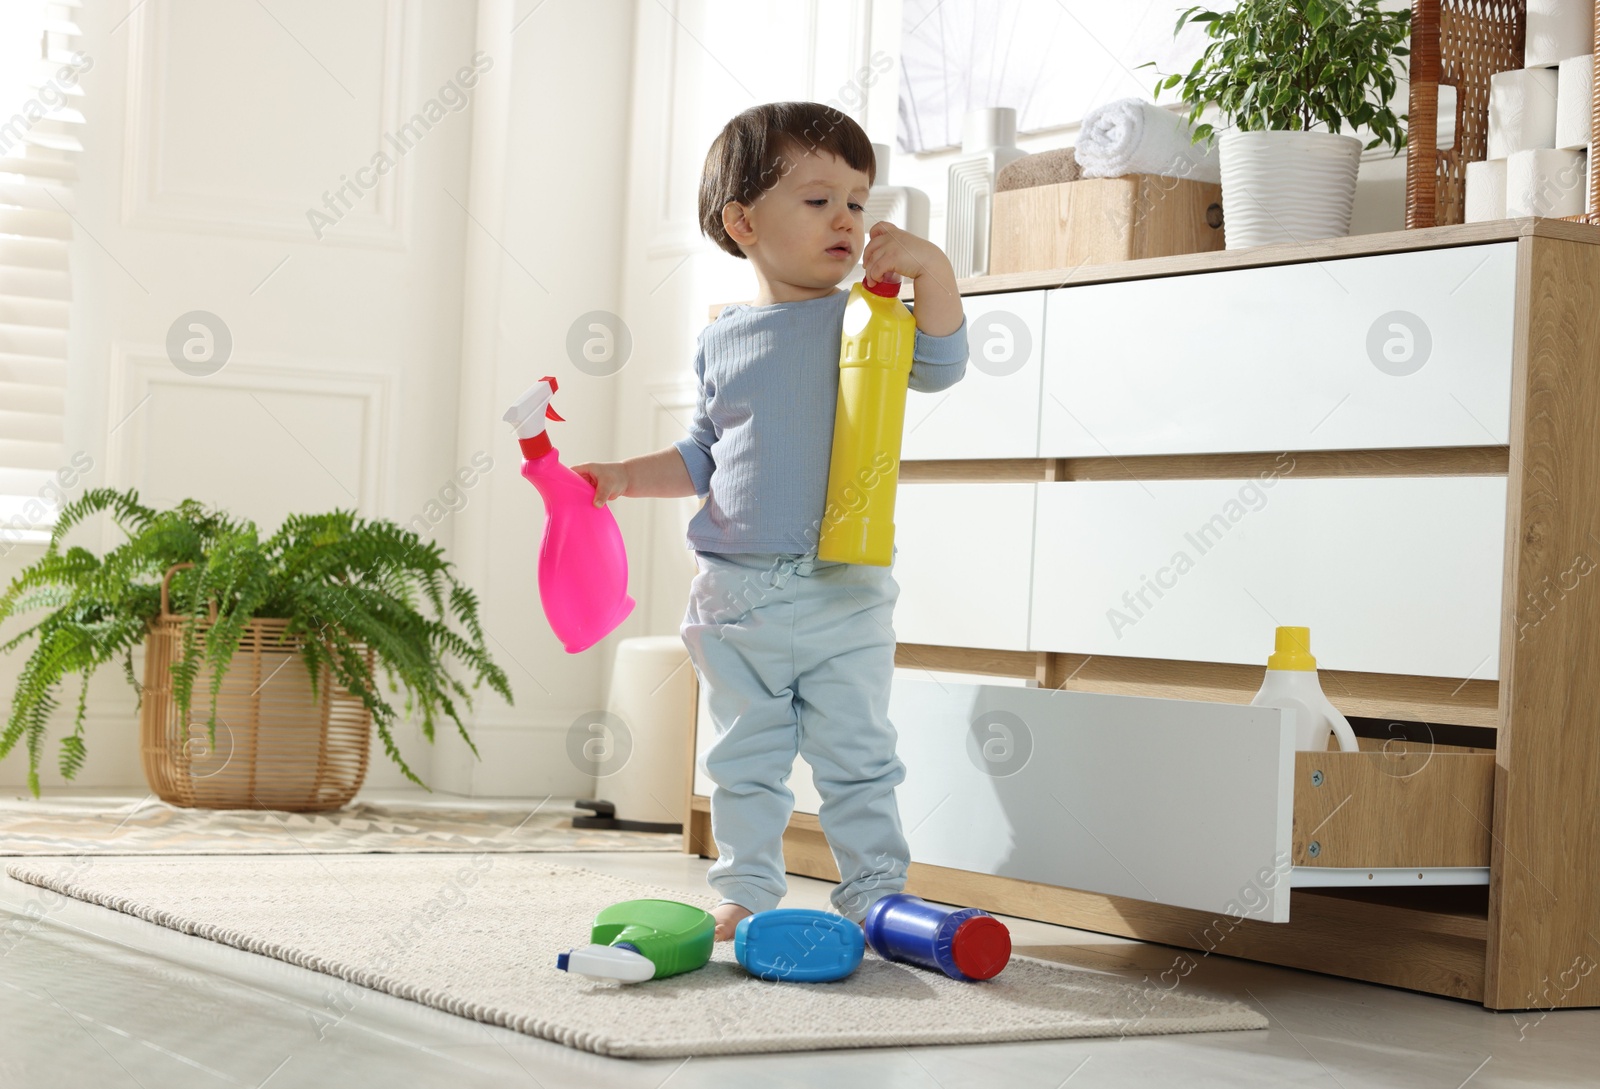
(1188, 803)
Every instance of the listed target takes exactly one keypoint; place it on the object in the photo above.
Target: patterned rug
(149, 826)
(478, 938)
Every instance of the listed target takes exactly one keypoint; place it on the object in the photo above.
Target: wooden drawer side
(1391, 809)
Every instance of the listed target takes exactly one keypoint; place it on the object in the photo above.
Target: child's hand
(610, 479)
(893, 254)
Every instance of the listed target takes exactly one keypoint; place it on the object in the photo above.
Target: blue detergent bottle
(798, 945)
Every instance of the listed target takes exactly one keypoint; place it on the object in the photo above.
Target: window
(39, 147)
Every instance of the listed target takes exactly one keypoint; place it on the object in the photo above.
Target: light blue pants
(796, 655)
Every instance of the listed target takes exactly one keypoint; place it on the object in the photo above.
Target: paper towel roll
(1545, 182)
(1486, 191)
(1574, 102)
(1558, 29)
(1522, 110)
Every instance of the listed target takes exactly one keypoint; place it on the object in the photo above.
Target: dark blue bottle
(963, 943)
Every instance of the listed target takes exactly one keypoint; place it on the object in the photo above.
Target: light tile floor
(90, 997)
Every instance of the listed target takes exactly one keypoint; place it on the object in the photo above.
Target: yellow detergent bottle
(874, 372)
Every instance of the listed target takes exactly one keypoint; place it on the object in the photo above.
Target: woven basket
(1461, 43)
(276, 747)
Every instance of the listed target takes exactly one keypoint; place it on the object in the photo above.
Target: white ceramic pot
(1285, 186)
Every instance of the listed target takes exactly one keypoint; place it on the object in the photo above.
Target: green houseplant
(1276, 70)
(352, 591)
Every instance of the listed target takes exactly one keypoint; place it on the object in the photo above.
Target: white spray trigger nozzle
(607, 962)
(528, 412)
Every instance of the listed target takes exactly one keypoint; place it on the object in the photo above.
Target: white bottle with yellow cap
(1292, 682)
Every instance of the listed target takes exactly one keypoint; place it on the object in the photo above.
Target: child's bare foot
(727, 917)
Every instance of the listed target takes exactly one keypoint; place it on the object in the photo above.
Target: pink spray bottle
(583, 568)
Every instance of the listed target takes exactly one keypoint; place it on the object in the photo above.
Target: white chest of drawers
(1096, 517)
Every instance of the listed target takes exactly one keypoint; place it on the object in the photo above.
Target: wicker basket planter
(381, 612)
(277, 747)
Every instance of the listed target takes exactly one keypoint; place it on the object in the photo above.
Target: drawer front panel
(1169, 801)
(1393, 350)
(965, 553)
(993, 412)
(1392, 575)
(801, 784)
(1173, 801)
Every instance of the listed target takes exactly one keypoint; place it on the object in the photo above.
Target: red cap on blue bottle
(981, 947)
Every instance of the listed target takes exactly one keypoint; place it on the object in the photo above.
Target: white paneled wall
(341, 417)
(345, 78)
(544, 233)
(230, 169)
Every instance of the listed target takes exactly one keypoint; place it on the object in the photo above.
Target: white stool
(650, 707)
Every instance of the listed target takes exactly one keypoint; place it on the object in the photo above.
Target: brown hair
(749, 156)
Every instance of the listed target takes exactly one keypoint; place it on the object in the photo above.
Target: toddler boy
(795, 653)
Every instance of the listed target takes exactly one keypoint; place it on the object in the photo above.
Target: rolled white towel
(1132, 136)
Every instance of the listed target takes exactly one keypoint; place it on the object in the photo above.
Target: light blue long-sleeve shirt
(762, 436)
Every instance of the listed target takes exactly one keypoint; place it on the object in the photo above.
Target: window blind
(40, 121)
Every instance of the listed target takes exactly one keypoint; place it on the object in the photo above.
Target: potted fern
(1277, 69)
(282, 637)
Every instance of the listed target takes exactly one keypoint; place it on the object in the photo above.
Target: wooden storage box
(1096, 221)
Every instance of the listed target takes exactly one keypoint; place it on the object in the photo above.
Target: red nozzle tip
(549, 409)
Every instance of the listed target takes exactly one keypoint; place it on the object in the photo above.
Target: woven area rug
(479, 938)
(120, 826)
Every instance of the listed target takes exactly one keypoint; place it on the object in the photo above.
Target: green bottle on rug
(638, 940)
